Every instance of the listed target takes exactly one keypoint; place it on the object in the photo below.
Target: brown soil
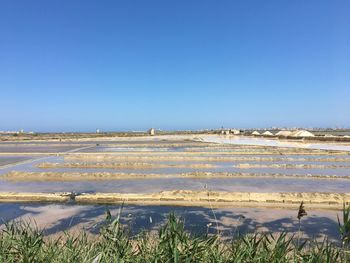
(291, 166)
(99, 157)
(209, 153)
(130, 165)
(192, 198)
(96, 176)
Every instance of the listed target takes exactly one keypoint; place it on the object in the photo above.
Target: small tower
(151, 131)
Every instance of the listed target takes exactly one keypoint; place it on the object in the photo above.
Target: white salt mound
(302, 133)
(283, 133)
(268, 133)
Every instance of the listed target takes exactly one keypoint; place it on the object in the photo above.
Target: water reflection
(168, 184)
(55, 218)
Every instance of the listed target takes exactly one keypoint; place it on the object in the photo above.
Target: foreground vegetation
(20, 242)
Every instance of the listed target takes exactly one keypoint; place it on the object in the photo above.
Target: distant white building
(151, 131)
(255, 133)
(225, 132)
(235, 131)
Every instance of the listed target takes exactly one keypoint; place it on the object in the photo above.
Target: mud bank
(131, 165)
(34, 197)
(160, 145)
(206, 153)
(110, 158)
(29, 153)
(16, 176)
(191, 198)
(290, 166)
(245, 148)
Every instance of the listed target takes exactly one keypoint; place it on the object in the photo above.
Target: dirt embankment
(110, 158)
(210, 153)
(96, 176)
(191, 198)
(130, 165)
(160, 144)
(252, 148)
(290, 166)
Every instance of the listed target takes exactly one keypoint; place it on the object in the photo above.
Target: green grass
(21, 242)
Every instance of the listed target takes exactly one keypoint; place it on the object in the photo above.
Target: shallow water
(36, 149)
(229, 221)
(58, 217)
(156, 185)
(5, 160)
(167, 184)
(219, 167)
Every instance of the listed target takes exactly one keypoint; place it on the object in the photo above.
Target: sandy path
(191, 198)
(18, 176)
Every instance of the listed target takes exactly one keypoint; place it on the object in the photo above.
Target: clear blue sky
(120, 65)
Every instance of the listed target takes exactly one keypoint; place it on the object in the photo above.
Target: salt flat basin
(36, 149)
(6, 160)
(60, 217)
(245, 140)
(31, 166)
(167, 184)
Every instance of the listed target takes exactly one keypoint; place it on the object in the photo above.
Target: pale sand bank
(98, 158)
(128, 165)
(191, 198)
(97, 176)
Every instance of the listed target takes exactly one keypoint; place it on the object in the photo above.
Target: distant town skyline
(125, 65)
